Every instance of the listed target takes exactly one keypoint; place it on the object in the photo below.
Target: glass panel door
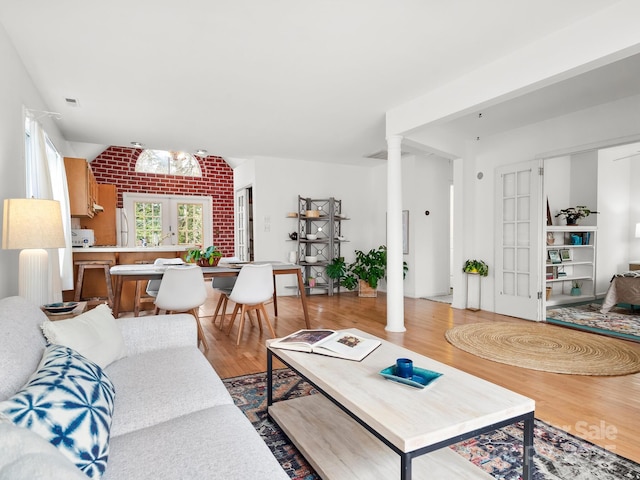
(158, 220)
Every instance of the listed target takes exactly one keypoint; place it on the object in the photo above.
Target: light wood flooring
(604, 410)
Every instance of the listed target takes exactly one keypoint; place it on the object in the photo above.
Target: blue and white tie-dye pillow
(68, 401)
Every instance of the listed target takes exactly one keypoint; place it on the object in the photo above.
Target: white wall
(16, 92)
(615, 184)
(583, 184)
(276, 186)
(634, 210)
(426, 184)
(556, 172)
(363, 191)
(575, 132)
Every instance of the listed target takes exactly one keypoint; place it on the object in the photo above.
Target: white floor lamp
(32, 225)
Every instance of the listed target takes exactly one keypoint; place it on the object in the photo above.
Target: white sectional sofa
(170, 418)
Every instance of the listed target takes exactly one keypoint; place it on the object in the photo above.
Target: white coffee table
(363, 426)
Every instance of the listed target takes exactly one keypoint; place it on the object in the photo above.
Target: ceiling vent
(72, 102)
(383, 155)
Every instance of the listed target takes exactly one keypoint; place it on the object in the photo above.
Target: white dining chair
(150, 287)
(182, 289)
(253, 287)
(154, 285)
(224, 286)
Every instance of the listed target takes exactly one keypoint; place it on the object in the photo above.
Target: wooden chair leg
(241, 326)
(201, 337)
(215, 314)
(78, 292)
(107, 277)
(259, 320)
(223, 314)
(136, 302)
(233, 318)
(266, 317)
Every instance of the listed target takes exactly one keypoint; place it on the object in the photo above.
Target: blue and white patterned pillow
(68, 401)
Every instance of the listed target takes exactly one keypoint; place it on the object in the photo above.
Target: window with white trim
(168, 219)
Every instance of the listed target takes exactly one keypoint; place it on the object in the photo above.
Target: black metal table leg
(269, 378)
(527, 451)
(405, 466)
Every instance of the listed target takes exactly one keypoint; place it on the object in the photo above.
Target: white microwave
(82, 237)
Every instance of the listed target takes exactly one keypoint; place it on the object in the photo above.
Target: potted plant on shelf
(205, 258)
(573, 214)
(365, 272)
(576, 288)
(478, 267)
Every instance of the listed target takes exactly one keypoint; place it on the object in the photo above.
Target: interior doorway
(244, 224)
(451, 210)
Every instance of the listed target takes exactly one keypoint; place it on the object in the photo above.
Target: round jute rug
(540, 346)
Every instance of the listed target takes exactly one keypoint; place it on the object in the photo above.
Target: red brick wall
(117, 166)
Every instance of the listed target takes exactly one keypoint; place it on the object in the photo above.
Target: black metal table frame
(407, 457)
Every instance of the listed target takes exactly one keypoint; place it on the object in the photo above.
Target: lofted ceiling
(282, 78)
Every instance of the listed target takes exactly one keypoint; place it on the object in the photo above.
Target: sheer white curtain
(46, 179)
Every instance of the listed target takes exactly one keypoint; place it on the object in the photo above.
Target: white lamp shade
(32, 223)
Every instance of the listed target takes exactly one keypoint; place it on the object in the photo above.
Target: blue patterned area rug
(619, 322)
(558, 454)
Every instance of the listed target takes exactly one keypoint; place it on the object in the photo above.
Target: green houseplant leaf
(209, 255)
(476, 266)
(369, 266)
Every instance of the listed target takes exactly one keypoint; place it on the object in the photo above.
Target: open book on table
(340, 343)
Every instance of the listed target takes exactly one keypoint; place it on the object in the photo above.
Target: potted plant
(205, 258)
(576, 288)
(573, 214)
(365, 272)
(477, 267)
(337, 270)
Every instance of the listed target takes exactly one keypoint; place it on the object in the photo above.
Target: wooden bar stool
(141, 294)
(83, 265)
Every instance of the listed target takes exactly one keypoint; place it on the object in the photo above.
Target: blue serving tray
(60, 307)
(421, 377)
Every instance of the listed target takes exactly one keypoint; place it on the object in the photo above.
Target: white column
(395, 290)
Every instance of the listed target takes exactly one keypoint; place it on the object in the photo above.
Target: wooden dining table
(126, 273)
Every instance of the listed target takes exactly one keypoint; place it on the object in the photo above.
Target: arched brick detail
(117, 166)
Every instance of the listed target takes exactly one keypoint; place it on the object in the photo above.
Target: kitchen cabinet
(104, 224)
(83, 188)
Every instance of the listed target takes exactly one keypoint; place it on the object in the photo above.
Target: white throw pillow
(94, 335)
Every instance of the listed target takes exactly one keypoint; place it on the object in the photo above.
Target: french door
(519, 213)
(244, 224)
(167, 219)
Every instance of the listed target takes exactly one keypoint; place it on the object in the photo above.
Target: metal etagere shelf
(320, 218)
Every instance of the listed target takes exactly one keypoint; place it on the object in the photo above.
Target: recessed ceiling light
(202, 152)
(137, 144)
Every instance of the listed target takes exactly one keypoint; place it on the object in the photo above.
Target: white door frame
(242, 233)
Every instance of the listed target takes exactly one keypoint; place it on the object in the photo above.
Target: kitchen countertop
(162, 248)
